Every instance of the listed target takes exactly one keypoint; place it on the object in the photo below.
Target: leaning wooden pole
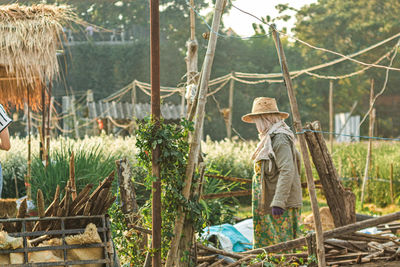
(369, 152)
(155, 113)
(307, 164)
(195, 137)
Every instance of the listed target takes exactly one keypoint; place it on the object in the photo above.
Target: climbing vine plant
(173, 142)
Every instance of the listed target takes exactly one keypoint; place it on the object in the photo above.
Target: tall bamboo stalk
(195, 138)
(307, 164)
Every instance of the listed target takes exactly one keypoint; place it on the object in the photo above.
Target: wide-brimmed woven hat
(263, 105)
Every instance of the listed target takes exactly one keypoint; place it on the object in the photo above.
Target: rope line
(394, 49)
(218, 88)
(349, 135)
(343, 57)
(383, 87)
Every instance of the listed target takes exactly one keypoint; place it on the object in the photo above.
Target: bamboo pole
(28, 176)
(331, 114)
(231, 88)
(195, 137)
(49, 105)
(307, 164)
(133, 97)
(391, 184)
(155, 112)
(369, 152)
(43, 128)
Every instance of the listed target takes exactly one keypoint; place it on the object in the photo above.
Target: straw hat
(263, 105)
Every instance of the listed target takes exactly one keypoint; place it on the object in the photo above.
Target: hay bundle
(29, 38)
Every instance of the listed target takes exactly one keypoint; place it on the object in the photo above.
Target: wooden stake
(391, 184)
(231, 88)
(73, 110)
(307, 164)
(133, 97)
(331, 114)
(28, 175)
(72, 175)
(191, 60)
(369, 152)
(196, 136)
(43, 127)
(49, 105)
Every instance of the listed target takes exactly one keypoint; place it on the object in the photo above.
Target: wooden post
(191, 59)
(28, 176)
(196, 136)
(231, 88)
(155, 113)
(73, 110)
(341, 202)
(49, 105)
(133, 97)
(307, 164)
(72, 175)
(391, 184)
(369, 152)
(42, 130)
(127, 190)
(331, 114)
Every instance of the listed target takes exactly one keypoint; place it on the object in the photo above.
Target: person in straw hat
(4, 138)
(276, 186)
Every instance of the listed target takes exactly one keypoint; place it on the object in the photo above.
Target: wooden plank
(227, 194)
(228, 178)
(348, 229)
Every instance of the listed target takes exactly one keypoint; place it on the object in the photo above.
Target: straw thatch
(29, 38)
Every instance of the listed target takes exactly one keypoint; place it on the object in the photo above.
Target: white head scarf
(267, 125)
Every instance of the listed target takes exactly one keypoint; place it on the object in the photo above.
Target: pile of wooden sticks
(72, 204)
(343, 246)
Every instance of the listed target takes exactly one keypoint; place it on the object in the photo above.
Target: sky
(242, 23)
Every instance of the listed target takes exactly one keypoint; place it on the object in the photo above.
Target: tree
(346, 27)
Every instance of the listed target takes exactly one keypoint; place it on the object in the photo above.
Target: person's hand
(277, 212)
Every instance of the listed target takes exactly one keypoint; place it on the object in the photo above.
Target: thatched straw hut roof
(29, 39)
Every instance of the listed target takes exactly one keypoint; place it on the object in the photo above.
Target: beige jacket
(282, 183)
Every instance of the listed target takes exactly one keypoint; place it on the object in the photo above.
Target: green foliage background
(343, 26)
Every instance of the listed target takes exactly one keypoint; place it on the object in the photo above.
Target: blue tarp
(228, 236)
